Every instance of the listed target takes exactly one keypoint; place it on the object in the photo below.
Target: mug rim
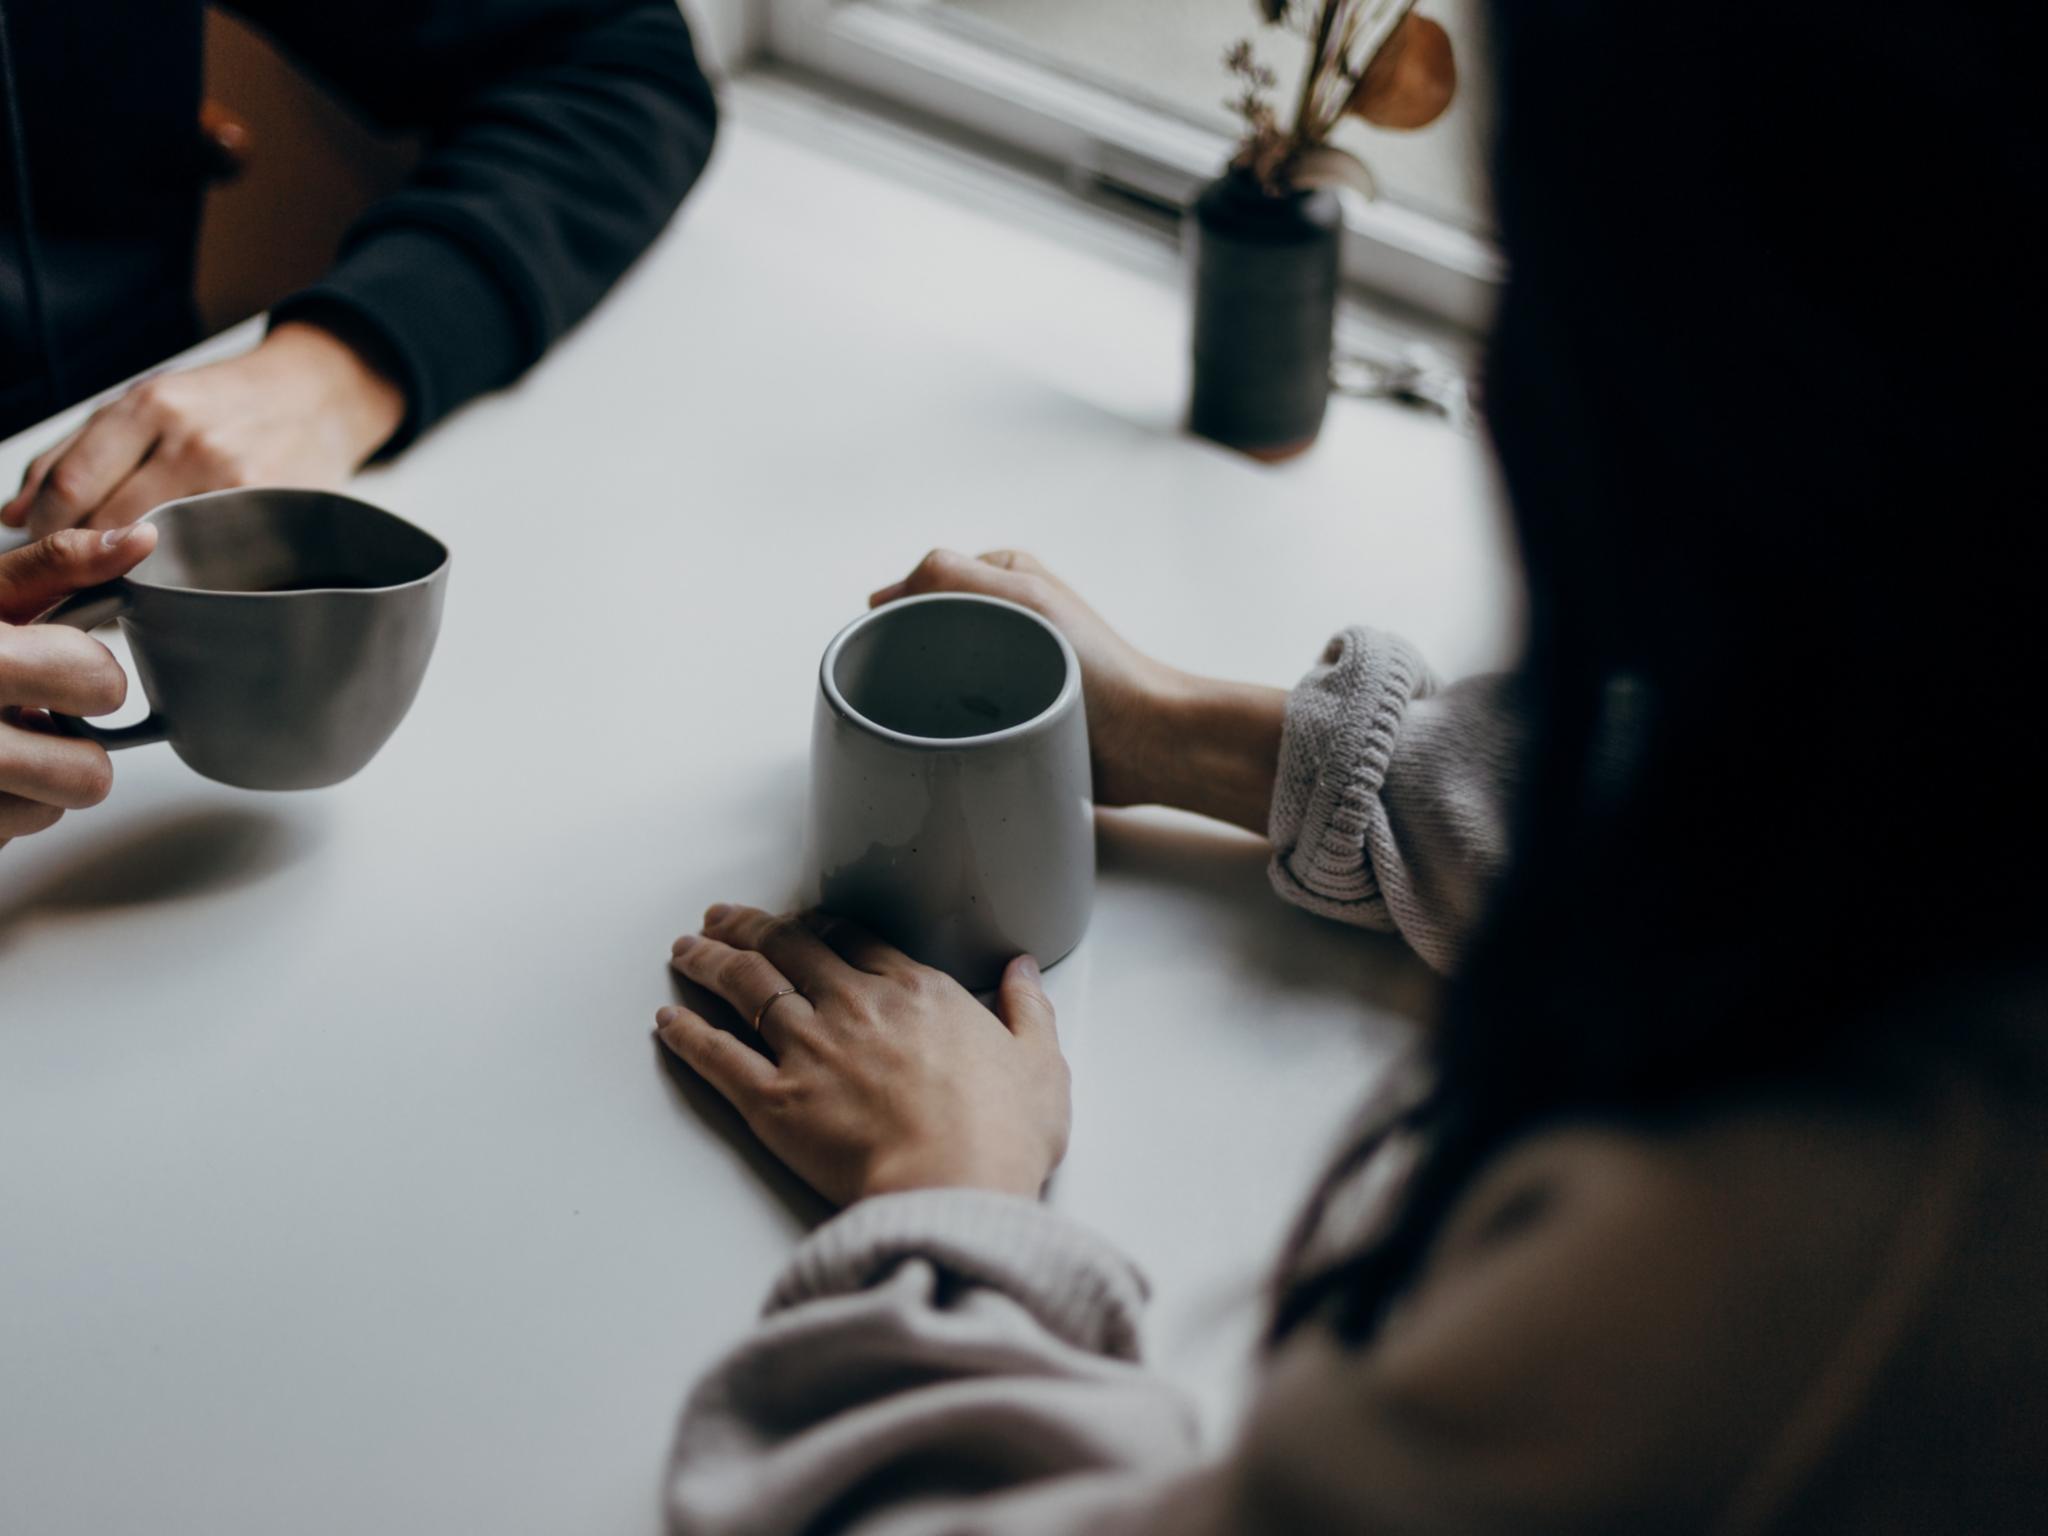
(1063, 702)
(439, 569)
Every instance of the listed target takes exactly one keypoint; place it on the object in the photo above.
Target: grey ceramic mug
(951, 806)
(280, 635)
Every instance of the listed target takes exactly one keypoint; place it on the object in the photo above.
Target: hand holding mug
(1157, 735)
(280, 634)
(1126, 691)
(866, 1072)
(44, 668)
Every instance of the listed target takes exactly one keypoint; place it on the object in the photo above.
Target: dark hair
(1763, 390)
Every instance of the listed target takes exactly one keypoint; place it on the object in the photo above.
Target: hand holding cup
(1156, 735)
(43, 773)
(1127, 692)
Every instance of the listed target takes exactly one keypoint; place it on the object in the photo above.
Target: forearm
(344, 375)
(1385, 796)
(305, 408)
(1385, 793)
(1216, 749)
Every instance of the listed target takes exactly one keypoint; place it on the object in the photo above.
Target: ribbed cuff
(1073, 1282)
(447, 327)
(1342, 722)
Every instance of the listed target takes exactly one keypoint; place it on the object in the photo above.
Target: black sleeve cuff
(424, 311)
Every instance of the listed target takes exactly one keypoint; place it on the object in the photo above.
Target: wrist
(1166, 700)
(1222, 750)
(900, 1174)
(358, 398)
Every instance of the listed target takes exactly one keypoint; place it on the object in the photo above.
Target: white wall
(728, 32)
(1170, 51)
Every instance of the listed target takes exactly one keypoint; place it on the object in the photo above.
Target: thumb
(37, 575)
(946, 570)
(1022, 1004)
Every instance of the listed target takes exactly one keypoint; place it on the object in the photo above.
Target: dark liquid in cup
(317, 583)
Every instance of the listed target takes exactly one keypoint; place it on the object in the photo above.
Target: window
(1131, 93)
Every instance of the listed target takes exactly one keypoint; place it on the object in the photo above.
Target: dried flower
(1410, 82)
(1243, 63)
(1254, 80)
(1406, 78)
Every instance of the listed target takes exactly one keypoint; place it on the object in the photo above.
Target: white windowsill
(1035, 197)
(1088, 133)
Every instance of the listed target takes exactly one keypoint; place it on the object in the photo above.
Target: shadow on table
(798, 1198)
(1203, 867)
(169, 858)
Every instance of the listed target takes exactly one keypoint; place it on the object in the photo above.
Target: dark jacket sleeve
(561, 135)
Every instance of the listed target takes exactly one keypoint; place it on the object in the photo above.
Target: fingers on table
(858, 947)
(15, 513)
(746, 979)
(88, 468)
(789, 945)
(739, 1072)
(146, 490)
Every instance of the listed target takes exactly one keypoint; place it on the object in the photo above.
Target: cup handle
(89, 609)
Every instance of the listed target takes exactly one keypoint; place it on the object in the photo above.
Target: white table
(341, 1186)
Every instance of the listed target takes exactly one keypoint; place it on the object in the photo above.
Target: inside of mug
(284, 541)
(950, 668)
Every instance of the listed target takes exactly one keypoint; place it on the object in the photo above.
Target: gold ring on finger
(761, 1012)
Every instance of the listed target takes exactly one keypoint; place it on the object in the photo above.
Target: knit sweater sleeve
(1390, 806)
(942, 1360)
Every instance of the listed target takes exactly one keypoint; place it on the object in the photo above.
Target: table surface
(341, 1185)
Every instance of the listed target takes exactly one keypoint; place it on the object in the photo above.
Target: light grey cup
(280, 635)
(951, 806)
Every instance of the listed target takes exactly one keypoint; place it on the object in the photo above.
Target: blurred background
(1166, 54)
(295, 170)
(1124, 98)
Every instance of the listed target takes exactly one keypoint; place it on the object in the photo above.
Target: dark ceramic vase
(1265, 284)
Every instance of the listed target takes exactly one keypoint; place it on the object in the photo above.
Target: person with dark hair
(1716, 1200)
(560, 137)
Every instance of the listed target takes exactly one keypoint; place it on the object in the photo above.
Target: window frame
(1093, 135)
